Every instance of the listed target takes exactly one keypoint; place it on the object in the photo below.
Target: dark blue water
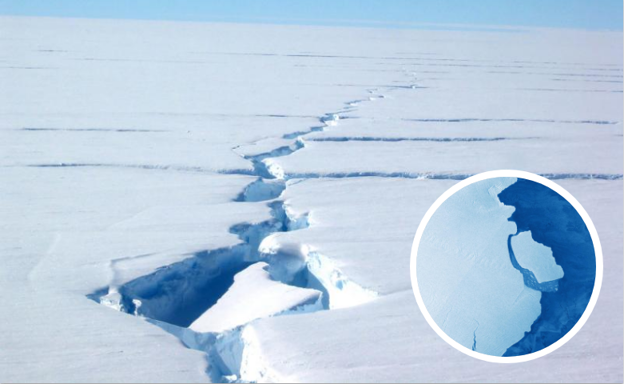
(554, 223)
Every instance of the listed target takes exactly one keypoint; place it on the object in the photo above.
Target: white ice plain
(465, 277)
(151, 166)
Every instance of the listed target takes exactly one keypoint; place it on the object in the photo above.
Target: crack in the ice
(121, 130)
(329, 119)
(472, 119)
(154, 167)
(173, 296)
(569, 90)
(439, 176)
(474, 337)
(398, 139)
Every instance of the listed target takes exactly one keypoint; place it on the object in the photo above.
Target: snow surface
(535, 257)
(146, 164)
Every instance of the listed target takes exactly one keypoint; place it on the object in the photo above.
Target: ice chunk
(286, 260)
(255, 295)
(342, 291)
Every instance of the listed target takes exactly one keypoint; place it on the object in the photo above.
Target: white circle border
(597, 252)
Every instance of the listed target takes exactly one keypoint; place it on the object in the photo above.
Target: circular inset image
(506, 266)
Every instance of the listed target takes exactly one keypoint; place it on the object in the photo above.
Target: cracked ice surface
(465, 277)
(122, 161)
(352, 331)
(544, 156)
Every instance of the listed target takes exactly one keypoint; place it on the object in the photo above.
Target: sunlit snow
(169, 170)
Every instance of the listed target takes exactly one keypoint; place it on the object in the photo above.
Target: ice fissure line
(439, 176)
(173, 296)
(399, 139)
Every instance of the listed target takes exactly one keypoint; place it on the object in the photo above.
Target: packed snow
(156, 173)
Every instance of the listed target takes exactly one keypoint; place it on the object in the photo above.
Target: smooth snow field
(196, 202)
